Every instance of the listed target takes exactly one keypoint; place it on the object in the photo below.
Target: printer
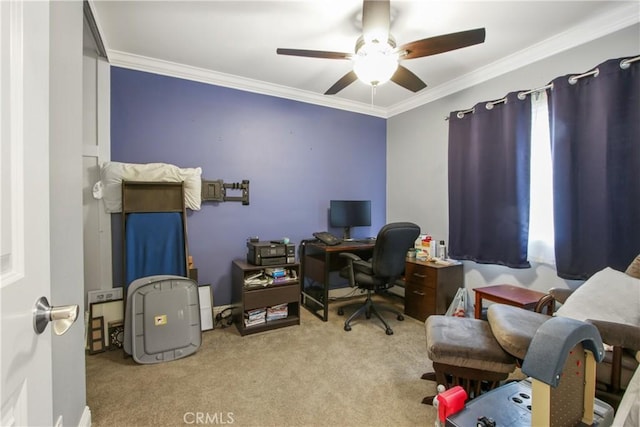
(270, 253)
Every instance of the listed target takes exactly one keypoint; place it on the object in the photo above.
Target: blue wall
(297, 157)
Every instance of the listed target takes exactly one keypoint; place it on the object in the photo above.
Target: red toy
(451, 401)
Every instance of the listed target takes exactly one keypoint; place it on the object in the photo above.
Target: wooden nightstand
(430, 287)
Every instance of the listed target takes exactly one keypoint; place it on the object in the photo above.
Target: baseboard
(219, 309)
(85, 419)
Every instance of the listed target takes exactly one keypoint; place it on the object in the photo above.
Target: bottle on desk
(442, 250)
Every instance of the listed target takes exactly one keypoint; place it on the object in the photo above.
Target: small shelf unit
(245, 298)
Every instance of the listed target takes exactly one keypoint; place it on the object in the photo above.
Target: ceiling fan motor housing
(375, 62)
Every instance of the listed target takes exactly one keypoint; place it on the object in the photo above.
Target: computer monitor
(349, 213)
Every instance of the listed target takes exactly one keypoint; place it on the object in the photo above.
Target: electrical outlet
(104, 295)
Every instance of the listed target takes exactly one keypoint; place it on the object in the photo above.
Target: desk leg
(325, 285)
(315, 302)
(478, 307)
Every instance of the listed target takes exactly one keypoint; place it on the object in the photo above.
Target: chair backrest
(390, 251)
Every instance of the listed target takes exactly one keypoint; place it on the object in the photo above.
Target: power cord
(224, 318)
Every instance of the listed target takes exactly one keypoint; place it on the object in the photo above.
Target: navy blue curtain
(489, 164)
(595, 138)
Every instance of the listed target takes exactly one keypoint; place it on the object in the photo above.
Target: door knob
(62, 316)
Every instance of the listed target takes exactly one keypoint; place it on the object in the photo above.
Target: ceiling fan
(376, 58)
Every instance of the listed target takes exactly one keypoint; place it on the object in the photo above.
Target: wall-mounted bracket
(216, 191)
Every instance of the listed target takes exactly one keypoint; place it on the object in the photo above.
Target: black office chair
(381, 272)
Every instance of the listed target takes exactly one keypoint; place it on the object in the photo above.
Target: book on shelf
(256, 280)
(275, 272)
(283, 279)
(255, 316)
(249, 322)
(279, 311)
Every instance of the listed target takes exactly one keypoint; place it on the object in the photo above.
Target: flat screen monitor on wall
(349, 213)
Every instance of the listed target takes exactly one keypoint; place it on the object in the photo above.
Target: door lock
(62, 317)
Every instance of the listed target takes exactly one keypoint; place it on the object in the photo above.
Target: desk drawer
(420, 274)
(271, 296)
(419, 302)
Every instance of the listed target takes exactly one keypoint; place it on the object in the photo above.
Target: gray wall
(69, 400)
(417, 144)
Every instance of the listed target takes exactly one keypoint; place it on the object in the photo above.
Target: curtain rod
(624, 64)
(460, 114)
(523, 95)
(489, 105)
(574, 79)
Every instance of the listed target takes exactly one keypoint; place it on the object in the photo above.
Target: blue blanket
(155, 244)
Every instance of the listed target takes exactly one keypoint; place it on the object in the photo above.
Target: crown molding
(173, 69)
(586, 31)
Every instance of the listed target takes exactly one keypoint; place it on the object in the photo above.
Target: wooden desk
(506, 294)
(317, 261)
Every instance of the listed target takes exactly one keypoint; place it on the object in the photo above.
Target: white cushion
(112, 174)
(608, 295)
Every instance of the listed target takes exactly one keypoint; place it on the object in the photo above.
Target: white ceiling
(233, 43)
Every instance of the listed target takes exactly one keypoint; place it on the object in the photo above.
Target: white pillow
(608, 295)
(112, 174)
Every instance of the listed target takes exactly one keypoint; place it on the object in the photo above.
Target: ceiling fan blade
(440, 44)
(407, 79)
(345, 81)
(376, 16)
(314, 53)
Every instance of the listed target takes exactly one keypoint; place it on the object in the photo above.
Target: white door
(25, 357)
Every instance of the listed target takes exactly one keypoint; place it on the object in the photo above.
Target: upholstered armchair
(610, 300)
(622, 339)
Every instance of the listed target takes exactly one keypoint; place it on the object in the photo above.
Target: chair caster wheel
(368, 315)
(347, 328)
(389, 331)
(340, 312)
(400, 317)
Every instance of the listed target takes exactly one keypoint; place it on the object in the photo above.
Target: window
(541, 232)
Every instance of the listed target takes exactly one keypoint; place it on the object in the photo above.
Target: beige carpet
(315, 374)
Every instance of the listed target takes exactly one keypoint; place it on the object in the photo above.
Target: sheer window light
(541, 231)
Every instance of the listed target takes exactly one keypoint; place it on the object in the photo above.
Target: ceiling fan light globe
(375, 63)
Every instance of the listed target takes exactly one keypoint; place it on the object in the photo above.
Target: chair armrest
(560, 294)
(618, 334)
(546, 303)
(357, 263)
(350, 256)
(363, 267)
(354, 263)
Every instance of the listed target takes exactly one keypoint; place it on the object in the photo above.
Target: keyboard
(327, 238)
